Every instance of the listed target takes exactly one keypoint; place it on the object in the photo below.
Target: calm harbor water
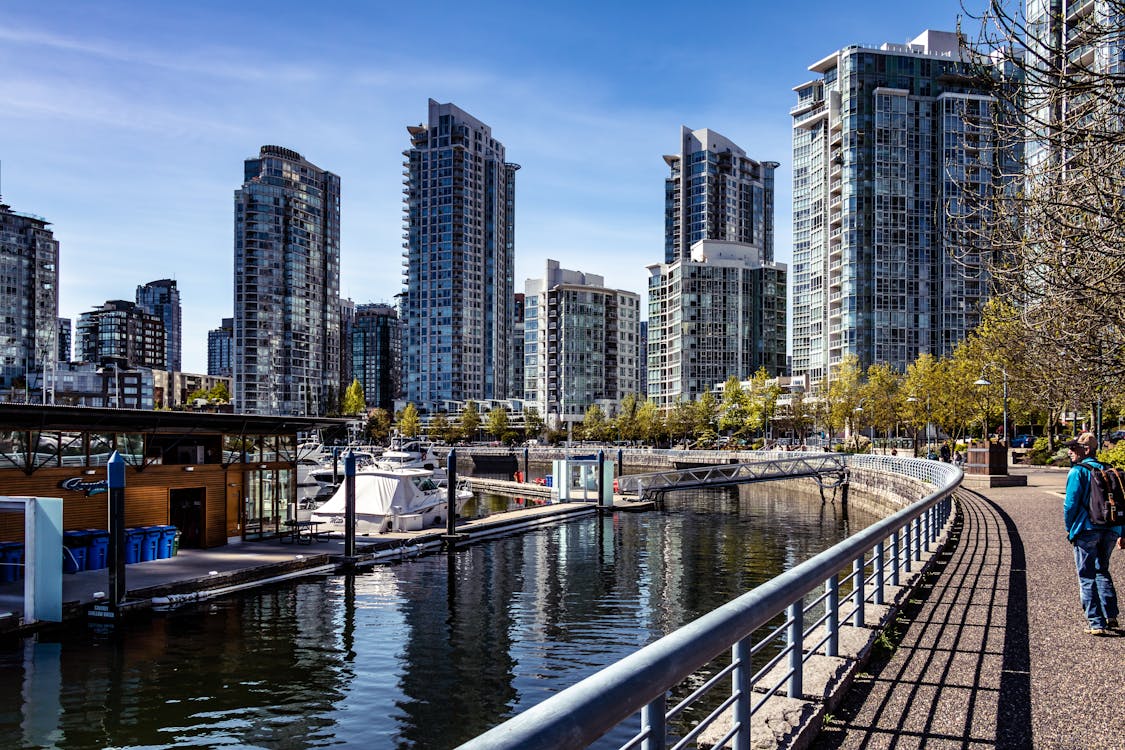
(422, 654)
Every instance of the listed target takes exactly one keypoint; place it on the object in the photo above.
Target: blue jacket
(1076, 508)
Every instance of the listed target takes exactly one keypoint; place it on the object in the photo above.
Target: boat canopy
(377, 492)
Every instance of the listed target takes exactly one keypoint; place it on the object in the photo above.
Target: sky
(126, 124)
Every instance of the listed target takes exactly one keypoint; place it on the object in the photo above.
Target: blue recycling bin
(150, 543)
(74, 559)
(97, 553)
(134, 539)
(11, 561)
(167, 538)
(550, 481)
(74, 556)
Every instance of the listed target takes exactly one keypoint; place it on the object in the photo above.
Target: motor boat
(408, 455)
(399, 500)
(325, 476)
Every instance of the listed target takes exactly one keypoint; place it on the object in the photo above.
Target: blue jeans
(1091, 556)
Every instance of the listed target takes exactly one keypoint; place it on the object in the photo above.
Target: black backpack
(1107, 495)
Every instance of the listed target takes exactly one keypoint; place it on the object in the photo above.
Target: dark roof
(90, 419)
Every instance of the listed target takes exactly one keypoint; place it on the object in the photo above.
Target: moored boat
(398, 500)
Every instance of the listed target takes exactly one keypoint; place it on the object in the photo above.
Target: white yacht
(399, 500)
(411, 454)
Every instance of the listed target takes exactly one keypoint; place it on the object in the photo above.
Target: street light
(983, 381)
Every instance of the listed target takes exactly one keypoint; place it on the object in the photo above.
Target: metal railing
(853, 574)
(766, 466)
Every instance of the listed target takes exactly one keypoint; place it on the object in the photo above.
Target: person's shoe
(1096, 631)
(1112, 624)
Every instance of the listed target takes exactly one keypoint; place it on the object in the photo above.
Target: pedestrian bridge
(829, 469)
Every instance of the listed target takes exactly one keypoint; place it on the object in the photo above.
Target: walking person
(1092, 544)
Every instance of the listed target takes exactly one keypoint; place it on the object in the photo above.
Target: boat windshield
(425, 484)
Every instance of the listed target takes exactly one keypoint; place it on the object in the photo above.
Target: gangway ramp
(829, 469)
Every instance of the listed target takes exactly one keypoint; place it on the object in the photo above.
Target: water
(422, 654)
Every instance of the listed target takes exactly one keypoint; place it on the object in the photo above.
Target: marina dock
(200, 574)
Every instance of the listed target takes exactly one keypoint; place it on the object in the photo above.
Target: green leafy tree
(354, 400)
(410, 425)
(442, 429)
(880, 398)
(379, 425)
(470, 421)
(534, 422)
(761, 401)
(681, 420)
(651, 427)
(920, 392)
(707, 417)
(628, 428)
(595, 426)
(219, 393)
(498, 422)
(843, 396)
(733, 408)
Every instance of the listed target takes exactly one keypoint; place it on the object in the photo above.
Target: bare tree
(1051, 229)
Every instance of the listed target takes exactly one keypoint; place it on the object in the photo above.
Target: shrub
(1114, 456)
(1041, 455)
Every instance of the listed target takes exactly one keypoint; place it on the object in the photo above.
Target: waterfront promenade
(993, 652)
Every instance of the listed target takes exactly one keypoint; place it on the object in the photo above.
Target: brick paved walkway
(992, 651)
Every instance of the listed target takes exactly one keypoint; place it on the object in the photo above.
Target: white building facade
(716, 305)
(581, 345)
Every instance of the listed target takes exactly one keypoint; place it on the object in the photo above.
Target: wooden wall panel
(146, 498)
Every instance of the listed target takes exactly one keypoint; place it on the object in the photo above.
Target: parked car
(1023, 441)
(1116, 435)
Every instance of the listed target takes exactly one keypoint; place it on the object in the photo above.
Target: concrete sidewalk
(993, 652)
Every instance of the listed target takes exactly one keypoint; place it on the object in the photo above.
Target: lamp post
(982, 381)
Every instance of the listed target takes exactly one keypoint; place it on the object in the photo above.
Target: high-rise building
(515, 360)
(220, 349)
(884, 139)
(376, 354)
(460, 255)
(286, 286)
(29, 299)
(122, 332)
(581, 342)
(66, 339)
(162, 299)
(717, 303)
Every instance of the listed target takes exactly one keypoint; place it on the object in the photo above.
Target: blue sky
(125, 124)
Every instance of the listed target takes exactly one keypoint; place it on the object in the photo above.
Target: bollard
(349, 507)
(525, 469)
(451, 495)
(115, 480)
(602, 504)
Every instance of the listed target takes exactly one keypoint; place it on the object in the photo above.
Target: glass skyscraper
(220, 349)
(376, 353)
(29, 299)
(884, 140)
(458, 295)
(717, 303)
(162, 299)
(286, 287)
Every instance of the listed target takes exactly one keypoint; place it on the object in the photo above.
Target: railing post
(652, 720)
(796, 641)
(832, 612)
(896, 559)
(858, 591)
(742, 686)
(879, 562)
(924, 522)
(906, 548)
(918, 539)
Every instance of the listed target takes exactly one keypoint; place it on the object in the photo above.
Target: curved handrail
(584, 712)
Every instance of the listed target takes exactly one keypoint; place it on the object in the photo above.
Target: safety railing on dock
(681, 675)
(765, 466)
